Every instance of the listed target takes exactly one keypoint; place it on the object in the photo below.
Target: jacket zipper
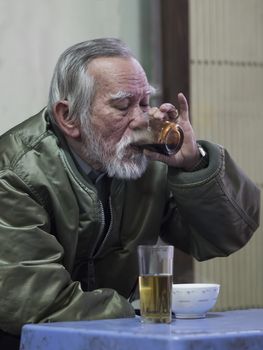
(96, 249)
(91, 278)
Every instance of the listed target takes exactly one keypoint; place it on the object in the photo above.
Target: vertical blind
(226, 79)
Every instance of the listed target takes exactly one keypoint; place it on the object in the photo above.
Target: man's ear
(69, 128)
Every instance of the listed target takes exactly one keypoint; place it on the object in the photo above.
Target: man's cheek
(114, 133)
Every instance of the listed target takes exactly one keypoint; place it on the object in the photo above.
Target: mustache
(137, 137)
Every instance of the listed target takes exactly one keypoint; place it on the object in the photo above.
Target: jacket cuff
(179, 177)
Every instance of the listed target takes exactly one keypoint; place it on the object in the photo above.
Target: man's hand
(188, 156)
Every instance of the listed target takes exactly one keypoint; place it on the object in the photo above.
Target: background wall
(33, 33)
(226, 105)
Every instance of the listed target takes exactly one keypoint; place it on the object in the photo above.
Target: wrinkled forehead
(120, 77)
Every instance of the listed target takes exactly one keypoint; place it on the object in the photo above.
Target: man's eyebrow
(121, 95)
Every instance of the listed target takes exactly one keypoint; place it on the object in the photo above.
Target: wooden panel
(175, 76)
(175, 52)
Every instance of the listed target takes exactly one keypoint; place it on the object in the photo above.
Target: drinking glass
(155, 282)
(162, 136)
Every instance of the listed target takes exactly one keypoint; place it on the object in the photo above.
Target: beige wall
(34, 32)
(226, 105)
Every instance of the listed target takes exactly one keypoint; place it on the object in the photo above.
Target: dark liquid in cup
(166, 141)
(161, 148)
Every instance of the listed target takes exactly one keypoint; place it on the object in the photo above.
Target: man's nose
(139, 119)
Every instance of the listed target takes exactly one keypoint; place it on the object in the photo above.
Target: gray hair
(71, 80)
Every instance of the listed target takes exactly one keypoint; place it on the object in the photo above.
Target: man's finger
(183, 104)
(170, 110)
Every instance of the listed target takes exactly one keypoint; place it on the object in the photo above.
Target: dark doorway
(165, 53)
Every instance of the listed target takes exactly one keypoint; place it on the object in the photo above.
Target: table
(239, 330)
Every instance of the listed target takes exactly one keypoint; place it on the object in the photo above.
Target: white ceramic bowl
(194, 300)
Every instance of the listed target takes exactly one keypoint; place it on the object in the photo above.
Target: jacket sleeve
(34, 285)
(214, 211)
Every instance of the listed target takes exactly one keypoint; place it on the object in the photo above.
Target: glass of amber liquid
(162, 136)
(155, 283)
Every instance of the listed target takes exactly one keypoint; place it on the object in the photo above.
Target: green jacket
(51, 220)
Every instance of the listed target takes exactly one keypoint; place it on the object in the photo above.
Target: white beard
(113, 158)
(129, 168)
